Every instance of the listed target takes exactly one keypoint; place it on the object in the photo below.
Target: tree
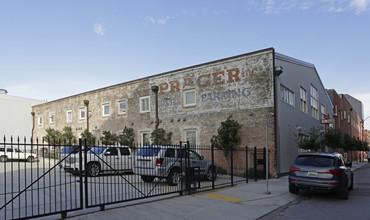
(127, 137)
(108, 138)
(227, 137)
(90, 139)
(314, 140)
(334, 139)
(161, 137)
(53, 137)
(68, 137)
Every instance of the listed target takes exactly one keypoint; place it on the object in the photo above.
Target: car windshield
(148, 152)
(316, 161)
(97, 150)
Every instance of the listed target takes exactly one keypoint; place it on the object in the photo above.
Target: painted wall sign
(245, 82)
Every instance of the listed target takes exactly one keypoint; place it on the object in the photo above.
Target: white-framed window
(189, 98)
(105, 109)
(122, 107)
(303, 97)
(344, 114)
(145, 138)
(51, 118)
(287, 95)
(82, 114)
(323, 111)
(39, 120)
(314, 102)
(191, 136)
(69, 116)
(144, 104)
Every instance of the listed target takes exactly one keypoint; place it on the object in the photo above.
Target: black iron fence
(38, 179)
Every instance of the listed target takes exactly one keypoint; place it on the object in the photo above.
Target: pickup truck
(102, 160)
(10, 153)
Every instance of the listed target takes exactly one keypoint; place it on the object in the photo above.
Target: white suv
(102, 160)
(15, 154)
(167, 161)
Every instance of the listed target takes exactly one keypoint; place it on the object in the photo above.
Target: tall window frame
(82, 114)
(122, 107)
(189, 98)
(314, 102)
(287, 95)
(303, 98)
(69, 116)
(144, 104)
(105, 109)
(52, 118)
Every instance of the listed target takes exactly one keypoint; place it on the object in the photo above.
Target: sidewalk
(243, 201)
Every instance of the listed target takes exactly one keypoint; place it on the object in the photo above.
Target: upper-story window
(303, 97)
(105, 109)
(51, 118)
(144, 104)
(189, 98)
(323, 111)
(287, 95)
(69, 116)
(82, 113)
(122, 107)
(39, 120)
(314, 102)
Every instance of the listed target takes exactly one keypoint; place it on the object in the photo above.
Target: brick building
(346, 117)
(253, 89)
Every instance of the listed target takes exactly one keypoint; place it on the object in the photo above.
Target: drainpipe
(33, 124)
(155, 90)
(86, 103)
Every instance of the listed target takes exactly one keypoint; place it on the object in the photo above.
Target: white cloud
(160, 21)
(99, 29)
(285, 6)
(359, 5)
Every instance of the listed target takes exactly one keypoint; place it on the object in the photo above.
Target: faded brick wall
(239, 87)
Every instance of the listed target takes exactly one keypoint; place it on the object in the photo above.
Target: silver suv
(166, 162)
(321, 172)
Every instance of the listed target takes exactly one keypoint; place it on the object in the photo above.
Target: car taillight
(159, 161)
(335, 172)
(294, 169)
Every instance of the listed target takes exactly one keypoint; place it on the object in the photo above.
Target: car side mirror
(107, 153)
(201, 157)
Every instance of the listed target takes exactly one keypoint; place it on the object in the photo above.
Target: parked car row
(162, 162)
(11, 153)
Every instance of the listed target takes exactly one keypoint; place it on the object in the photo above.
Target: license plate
(314, 174)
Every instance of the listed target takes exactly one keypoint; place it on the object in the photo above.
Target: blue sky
(52, 48)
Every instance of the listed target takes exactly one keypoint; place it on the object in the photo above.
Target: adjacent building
(275, 98)
(15, 116)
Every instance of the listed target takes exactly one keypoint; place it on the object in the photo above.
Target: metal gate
(59, 179)
(33, 183)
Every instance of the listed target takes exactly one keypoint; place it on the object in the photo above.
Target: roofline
(289, 59)
(160, 74)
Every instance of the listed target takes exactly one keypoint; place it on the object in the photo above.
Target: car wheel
(351, 186)
(93, 169)
(210, 173)
(3, 159)
(293, 189)
(30, 159)
(173, 177)
(147, 179)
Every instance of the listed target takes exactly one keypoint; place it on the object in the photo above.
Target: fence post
(232, 166)
(181, 169)
(255, 163)
(213, 165)
(246, 164)
(264, 160)
(188, 180)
